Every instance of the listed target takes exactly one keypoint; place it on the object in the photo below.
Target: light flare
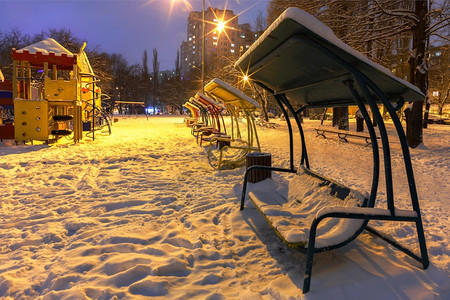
(221, 26)
(187, 5)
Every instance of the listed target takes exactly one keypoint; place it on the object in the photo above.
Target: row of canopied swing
(227, 142)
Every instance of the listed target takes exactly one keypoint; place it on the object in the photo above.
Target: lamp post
(203, 47)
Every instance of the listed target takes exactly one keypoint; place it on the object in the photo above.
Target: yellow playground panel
(236, 148)
(31, 119)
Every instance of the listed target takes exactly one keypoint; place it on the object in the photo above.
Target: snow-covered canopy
(46, 46)
(213, 102)
(301, 57)
(84, 64)
(230, 94)
(46, 51)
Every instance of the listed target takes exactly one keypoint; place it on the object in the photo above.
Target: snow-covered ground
(141, 213)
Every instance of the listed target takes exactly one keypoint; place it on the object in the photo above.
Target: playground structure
(55, 94)
(300, 61)
(6, 109)
(230, 151)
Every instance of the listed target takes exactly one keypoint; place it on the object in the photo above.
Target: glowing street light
(220, 26)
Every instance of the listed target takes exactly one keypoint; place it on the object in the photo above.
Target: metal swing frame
(233, 105)
(371, 94)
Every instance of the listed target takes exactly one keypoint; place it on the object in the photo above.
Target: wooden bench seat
(343, 134)
(291, 217)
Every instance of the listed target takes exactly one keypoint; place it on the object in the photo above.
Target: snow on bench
(308, 194)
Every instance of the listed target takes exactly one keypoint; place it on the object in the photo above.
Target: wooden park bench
(343, 134)
(304, 65)
(263, 123)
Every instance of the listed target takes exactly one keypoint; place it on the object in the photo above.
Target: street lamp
(220, 27)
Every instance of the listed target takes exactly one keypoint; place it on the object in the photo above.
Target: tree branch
(399, 13)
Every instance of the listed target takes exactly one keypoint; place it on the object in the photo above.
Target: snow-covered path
(141, 213)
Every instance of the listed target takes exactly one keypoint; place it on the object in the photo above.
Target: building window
(214, 37)
(193, 47)
(232, 50)
(436, 94)
(214, 43)
(232, 45)
(437, 53)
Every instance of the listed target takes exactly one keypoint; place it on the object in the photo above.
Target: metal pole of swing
(93, 109)
(203, 47)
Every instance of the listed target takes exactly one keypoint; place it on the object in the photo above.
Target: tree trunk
(427, 111)
(264, 105)
(340, 117)
(418, 76)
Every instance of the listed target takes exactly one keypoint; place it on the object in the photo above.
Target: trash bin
(359, 125)
(258, 159)
(87, 126)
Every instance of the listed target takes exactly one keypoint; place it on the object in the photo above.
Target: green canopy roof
(301, 57)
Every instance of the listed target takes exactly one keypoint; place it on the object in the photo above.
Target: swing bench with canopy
(302, 63)
(204, 119)
(217, 128)
(236, 148)
(195, 114)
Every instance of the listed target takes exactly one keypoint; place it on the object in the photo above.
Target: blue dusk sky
(127, 27)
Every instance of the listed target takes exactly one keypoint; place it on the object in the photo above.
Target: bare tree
(260, 23)
(155, 78)
(176, 91)
(9, 40)
(439, 76)
(145, 79)
(377, 27)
